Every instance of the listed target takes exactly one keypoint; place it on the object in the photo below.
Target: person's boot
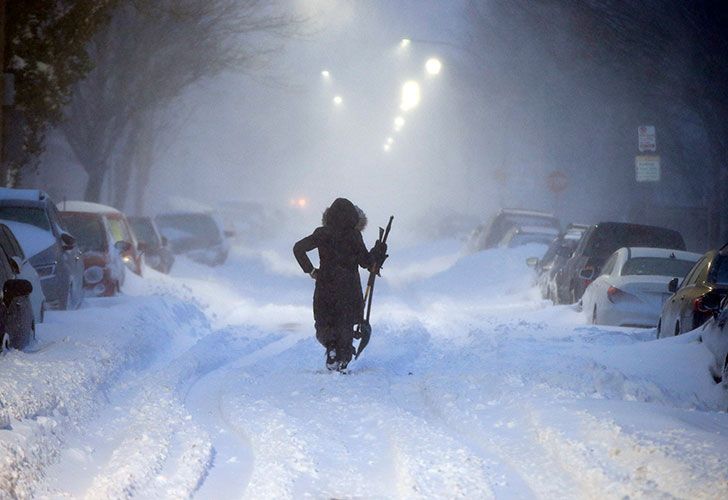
(331, 362)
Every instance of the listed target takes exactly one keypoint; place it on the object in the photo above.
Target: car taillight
(614, 294)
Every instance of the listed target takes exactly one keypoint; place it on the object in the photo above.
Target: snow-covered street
(210, 383)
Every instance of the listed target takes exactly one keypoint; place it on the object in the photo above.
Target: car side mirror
(67, 241)
(710, 303)
(586, 274)
(16, 264)
(564, 252)
(122, 246)
(672, 285)
(12, 289)
(532, 262)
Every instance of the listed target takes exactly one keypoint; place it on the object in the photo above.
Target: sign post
(647, 168)
(647, 138)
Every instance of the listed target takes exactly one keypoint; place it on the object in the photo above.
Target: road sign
(647, 138)
(647, 168)
(557, 181)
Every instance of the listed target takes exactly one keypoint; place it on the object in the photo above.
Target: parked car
(632, 286)
(520, 236)
(104, 270)
(17, 324)
(558, 253)
(119, 228)
(490, 235)
(598, 243)
(195, 234)
(21, 265)
(157, 254)
(692, 301)
(714, 335)
(52, 250)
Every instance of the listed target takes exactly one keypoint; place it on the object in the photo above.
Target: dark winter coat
(337, 300)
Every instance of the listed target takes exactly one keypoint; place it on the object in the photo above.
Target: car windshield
(657, 266)
(197, 226)
(526, 238)
(35, 216)
(721, 271)
(144, 231)
(609, 239)
(88, 231)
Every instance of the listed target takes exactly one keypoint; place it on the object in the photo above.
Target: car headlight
(126, 259)
(93, 275)
(46, 270)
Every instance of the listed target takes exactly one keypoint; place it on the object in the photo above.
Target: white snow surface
(210, 384)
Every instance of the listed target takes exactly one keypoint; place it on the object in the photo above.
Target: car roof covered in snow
(32, 239)
(536, 230)
(664, 253)
(87, 207)
(518, 211)
(23, 194)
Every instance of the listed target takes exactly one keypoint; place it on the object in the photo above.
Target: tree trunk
(95, 183)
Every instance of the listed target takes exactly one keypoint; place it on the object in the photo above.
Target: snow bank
(60, 385)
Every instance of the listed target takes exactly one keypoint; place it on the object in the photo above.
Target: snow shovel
(364, 329)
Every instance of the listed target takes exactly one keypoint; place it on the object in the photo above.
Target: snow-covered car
(490, 235)
(22, 266)
(50, 248)
(520, 236)
(714, 334)
(17, 324)
(157, 255)
(632, 286)
(554, 259)
(104, 270)
(195, 234)
(121, 232)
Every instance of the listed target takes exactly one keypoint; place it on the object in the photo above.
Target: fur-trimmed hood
(343, 214)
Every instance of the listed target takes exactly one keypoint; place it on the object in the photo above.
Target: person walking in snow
(338, 304)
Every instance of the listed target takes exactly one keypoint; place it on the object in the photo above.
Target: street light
(387, 148)
(433, 66)
(338, 100)
(390, 140)
(326, 74)
(410, 95)
(398, 123)
(405, 42)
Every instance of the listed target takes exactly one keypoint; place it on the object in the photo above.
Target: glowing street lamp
(326, 74)
(433, 66)
(405, 42)
(398, 123)
(338, 100)
(387, 148)
(390, 140)
(410, 95)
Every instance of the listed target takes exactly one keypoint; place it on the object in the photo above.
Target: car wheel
(677, 328)
(594, 315)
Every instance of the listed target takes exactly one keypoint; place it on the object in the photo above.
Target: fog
(513, 104)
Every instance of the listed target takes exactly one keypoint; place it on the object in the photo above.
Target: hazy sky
(279, 136)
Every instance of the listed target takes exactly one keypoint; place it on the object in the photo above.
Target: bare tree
(152, 51)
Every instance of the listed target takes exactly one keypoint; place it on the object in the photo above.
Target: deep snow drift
(209, 383)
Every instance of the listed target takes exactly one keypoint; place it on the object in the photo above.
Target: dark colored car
(489, 236)
(195, 234)
(560, 251)
(157, 255)
(714, 335)
(696, 296)
(104, 270)
(55, 256)
(17, 324)
(598, 243)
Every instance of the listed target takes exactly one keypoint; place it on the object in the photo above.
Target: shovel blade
(365, 333)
